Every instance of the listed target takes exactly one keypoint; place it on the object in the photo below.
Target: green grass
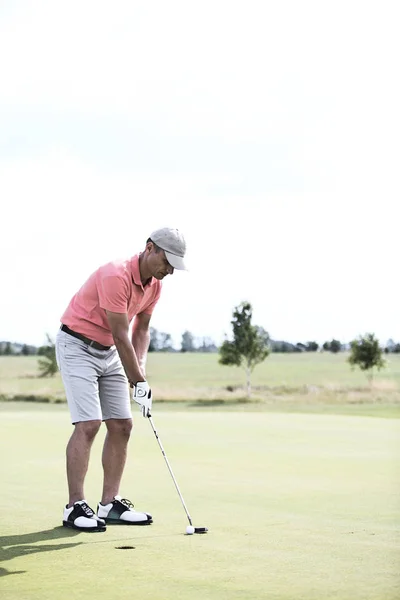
(299, 507)
(317, 382)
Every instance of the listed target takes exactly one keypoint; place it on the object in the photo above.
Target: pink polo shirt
(116, 287)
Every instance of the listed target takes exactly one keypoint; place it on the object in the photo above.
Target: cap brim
(175, 261)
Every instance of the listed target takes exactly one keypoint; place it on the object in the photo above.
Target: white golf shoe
(81, 517)
(121, 512)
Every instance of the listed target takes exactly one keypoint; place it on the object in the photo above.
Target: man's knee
(88, 429)
(119, 427)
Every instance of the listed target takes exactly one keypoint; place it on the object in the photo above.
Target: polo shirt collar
(136, 272)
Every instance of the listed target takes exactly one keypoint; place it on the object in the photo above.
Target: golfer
(97, 360)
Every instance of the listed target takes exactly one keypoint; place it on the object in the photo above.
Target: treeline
(392, 347)
(161, 341)
(332, 346)
(14, 349)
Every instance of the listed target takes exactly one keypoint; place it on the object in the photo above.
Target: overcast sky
(268, 132)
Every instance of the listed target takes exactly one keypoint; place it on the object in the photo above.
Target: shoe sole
(121, 522)
(98, 529)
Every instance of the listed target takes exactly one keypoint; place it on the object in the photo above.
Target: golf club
(192, 529)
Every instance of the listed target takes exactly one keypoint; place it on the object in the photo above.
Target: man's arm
(141, 339)
(119, 325)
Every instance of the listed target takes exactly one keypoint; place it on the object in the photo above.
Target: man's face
(158, 263)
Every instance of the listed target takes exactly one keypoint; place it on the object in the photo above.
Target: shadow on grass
(25, 398)
(32, 398)
(13, 546)
(233, 402)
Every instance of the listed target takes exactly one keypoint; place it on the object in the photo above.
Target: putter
(196, 529)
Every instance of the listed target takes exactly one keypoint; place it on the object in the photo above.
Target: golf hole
(124, 547)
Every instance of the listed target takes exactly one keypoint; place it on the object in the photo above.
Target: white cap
(174, 245)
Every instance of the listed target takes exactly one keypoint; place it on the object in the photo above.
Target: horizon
(176, 346)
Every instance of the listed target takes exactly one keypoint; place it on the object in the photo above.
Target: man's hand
(141, 394)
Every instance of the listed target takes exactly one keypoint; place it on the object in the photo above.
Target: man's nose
(170, 269)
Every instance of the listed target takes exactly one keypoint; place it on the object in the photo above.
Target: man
(97, 359)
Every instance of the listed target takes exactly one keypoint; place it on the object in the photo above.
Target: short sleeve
(113, 293)
(148, 310)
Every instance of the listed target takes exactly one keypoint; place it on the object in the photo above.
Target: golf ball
(190, 530)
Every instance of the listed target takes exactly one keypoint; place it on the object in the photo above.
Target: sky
(267, 132)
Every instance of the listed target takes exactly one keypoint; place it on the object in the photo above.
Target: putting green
(297, 506)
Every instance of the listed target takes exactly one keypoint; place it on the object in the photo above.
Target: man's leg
(114, 456)
(80, 369)
(78, 453)
(116, 409)
(113, 509)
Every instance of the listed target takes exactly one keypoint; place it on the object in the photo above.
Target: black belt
(87, 341)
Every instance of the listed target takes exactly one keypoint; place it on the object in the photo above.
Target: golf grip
(169, 468)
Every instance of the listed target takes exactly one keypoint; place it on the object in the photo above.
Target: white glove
(141, 394)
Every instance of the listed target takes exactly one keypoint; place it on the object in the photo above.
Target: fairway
(298, 507)
(304, 382)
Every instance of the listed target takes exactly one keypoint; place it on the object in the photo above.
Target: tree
(312, 347)
(25, 350)
(390, 346)
(366, 353)
(301, 347)
(206, 344)
(250, 345)
(333, 346)
(160, 341)
(187, 344)
(165, 342)
(8, 350)
(154, 345)
(282, 346)
(47, 362)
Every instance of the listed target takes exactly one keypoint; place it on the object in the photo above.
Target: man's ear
(149, 247)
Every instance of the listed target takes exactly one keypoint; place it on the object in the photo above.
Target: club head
(200, 529)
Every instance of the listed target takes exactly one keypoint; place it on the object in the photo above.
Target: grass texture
(299, 507)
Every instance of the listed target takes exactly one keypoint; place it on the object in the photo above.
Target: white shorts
(94, 380)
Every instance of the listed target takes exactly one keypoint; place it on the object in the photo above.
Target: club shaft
(170, 469)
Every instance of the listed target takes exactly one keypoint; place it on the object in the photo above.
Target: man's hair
(156, 248)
